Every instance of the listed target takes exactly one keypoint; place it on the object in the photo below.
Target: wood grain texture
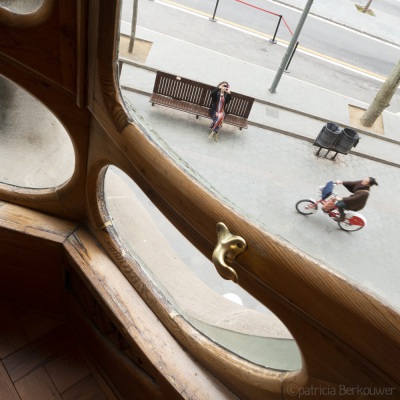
(37, 385)
(172, 369)
(86, 389)
(31, 252)
(7, 389)
(38, 352)
(63, 376)
(47, 363)
(40, 48)
(26, 19)
(12, 334)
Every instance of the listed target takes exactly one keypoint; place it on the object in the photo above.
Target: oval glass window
(21, 7)
(218, 308)
(35, 149)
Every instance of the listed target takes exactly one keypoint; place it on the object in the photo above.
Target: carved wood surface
(22, 19)
(40, 359)
(169, 365)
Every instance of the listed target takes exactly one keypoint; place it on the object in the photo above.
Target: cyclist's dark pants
(341, 205)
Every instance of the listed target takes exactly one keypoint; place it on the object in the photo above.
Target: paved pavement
(264, 170)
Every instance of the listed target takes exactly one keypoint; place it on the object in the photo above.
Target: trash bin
(328, 135)
(348, 138)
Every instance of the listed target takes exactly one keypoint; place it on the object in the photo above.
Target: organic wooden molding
(26, 20)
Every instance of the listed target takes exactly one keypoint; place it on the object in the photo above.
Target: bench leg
(152, 104)
(197, 117)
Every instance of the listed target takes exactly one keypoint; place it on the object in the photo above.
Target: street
(344, 61)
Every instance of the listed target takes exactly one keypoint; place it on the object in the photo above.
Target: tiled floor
(40, 360)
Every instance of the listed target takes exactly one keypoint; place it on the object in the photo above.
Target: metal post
(290, 59)
(276, 30)
(290, 48)
(213, 17)
(133, 26)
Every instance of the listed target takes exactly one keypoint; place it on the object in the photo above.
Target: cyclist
(358, 199)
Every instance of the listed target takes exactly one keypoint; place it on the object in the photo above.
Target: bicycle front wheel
(306, 207)
(351, 224)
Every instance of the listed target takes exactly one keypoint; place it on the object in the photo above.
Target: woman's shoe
(216, 136)
(210, 136)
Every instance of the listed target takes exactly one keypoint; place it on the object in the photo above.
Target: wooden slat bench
(195, 98)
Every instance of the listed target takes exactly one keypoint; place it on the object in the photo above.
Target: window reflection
(189, 280)
(35, 149)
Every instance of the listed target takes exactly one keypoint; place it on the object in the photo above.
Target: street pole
(133, 26)
(291, 46)
(215, 10)
(273, 41)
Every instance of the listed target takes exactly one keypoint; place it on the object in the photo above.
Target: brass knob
(228, 247)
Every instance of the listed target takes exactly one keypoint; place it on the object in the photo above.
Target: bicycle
(353, 221)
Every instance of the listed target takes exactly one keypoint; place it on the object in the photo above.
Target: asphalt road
(318, 35)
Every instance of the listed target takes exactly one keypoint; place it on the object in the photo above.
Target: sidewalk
(297, 109)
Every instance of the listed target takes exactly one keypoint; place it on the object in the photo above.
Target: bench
(195, 98)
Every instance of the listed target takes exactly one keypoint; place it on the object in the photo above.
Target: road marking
(281, 42)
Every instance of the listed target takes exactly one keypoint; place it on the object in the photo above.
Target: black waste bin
(328, 135)
(348, 138)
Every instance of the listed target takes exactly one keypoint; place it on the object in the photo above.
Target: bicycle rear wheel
(352, 224)
(306, 207)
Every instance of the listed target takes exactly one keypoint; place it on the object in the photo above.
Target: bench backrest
(183, 89)
(179, 88)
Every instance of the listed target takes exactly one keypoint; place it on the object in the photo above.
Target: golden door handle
(228, 247)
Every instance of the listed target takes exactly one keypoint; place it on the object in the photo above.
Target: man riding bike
(358, 199)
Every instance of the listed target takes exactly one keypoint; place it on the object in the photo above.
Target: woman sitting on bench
(220, 97)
